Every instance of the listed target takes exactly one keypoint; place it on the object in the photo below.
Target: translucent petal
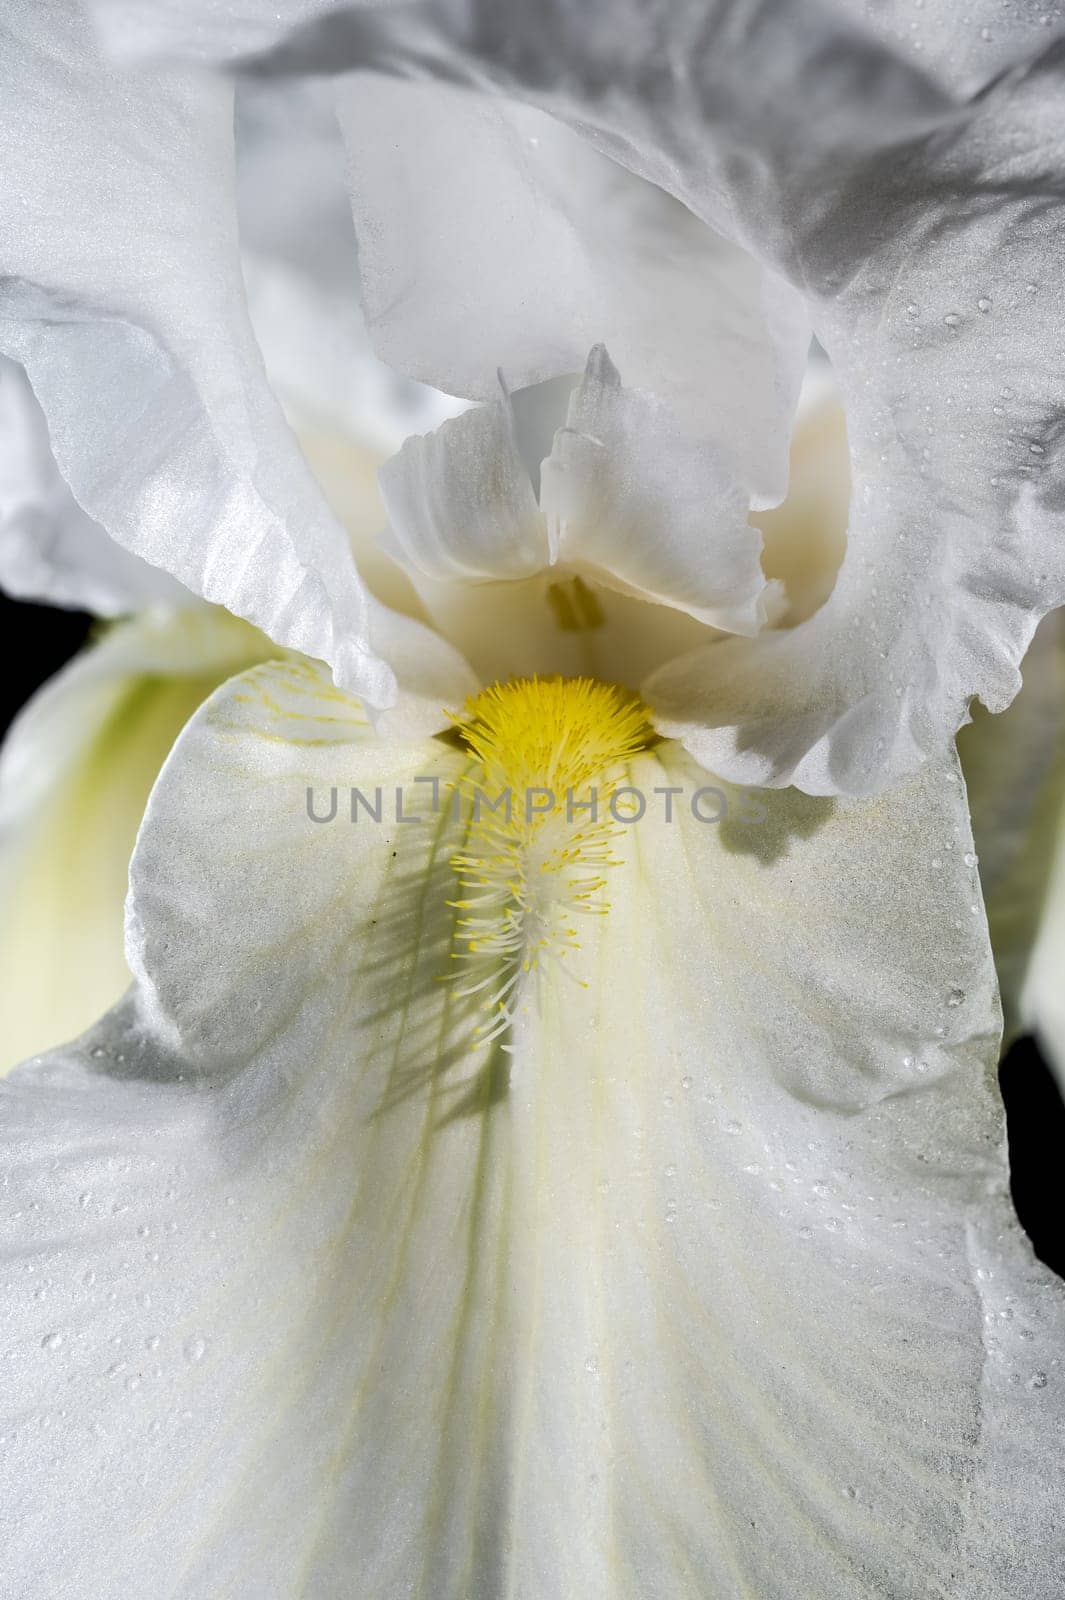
(460, 503)
(300, 266)
(491, 236)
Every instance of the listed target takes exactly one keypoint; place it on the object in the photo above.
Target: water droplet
(1037, 449)
(1038, 1380)
(195, 1349)
(833, 1225)
(983, 304)
(952, 319)
(51, 1341)
(955, 998)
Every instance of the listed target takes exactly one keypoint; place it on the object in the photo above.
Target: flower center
(548, 754)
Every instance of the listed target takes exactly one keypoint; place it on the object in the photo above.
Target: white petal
(123, 299)
(927, 245)
(467, 210)
(924, 236)
(75, 772)
(50, 549)
(300, 265)
(648, 509)
(491, 236)
(460, 504)
(338, 1296)
(202, 29)
(964, 51)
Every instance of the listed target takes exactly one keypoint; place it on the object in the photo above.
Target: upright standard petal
(490, 234)
(925, 236)
(710, 1287)
(466, 209)
(300, 265)
(123, 299)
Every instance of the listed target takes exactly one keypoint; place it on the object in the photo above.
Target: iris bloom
(574, 1201)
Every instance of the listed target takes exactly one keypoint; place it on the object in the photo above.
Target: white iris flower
(603, 1196)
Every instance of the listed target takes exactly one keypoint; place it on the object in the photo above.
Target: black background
(39, 639)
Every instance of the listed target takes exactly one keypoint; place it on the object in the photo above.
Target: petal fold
(123, 300)
(922, 231)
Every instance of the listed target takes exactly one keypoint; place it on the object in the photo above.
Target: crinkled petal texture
(76, 769)
(1015, 773)
(50, 549)
(711, 1287)
(124, 301)
(936, 270)
(924, 232)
